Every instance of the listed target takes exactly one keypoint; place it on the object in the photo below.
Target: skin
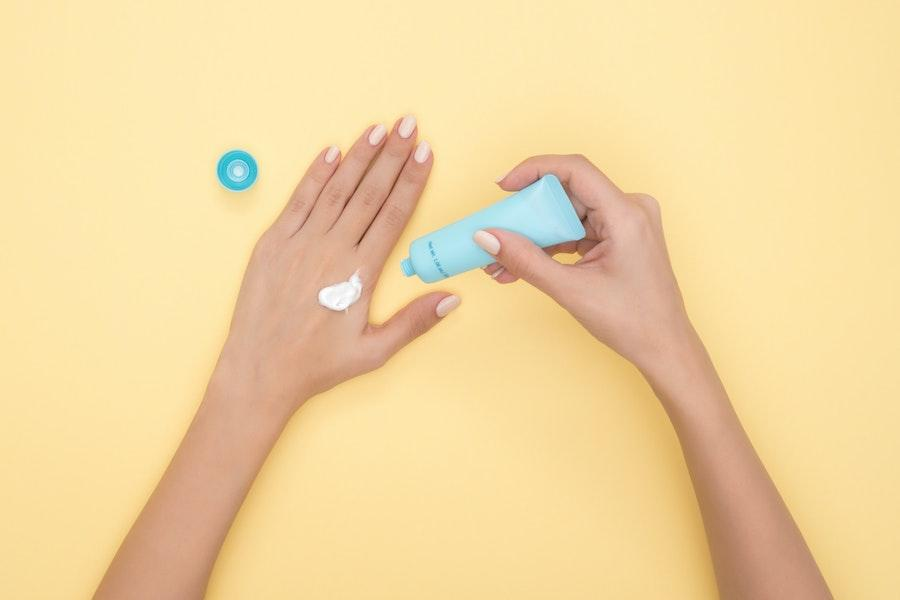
(283, 348)
(624, 292)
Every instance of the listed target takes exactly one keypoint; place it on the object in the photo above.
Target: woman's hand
(622, 289)
(624, 292)
(344, 217)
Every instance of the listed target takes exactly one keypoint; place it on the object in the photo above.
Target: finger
(498, 273)
(585, 182)
(585, 245)
(523, 259)
(493, 269)
(505, 277)
(343, 183)
(378, 181)
(382, 235)
(295, 212)
(410, 322)
(563, 248)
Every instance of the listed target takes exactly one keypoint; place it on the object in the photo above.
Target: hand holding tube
(622, 289)
(624, 292)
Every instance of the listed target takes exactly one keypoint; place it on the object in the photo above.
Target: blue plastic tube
(542, 212)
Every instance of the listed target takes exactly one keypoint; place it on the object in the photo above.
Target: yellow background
(507, 455)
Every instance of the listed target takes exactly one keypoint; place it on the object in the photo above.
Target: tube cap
(237, 170)
(407, 267)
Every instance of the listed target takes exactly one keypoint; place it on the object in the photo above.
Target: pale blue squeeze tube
(542, 212)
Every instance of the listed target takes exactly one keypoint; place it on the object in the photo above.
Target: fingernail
(422, 152)
(496, 273)
(332, 154)
(487, 242)
(444, 307)
(377, 134)
(501, 178)
(407, 126)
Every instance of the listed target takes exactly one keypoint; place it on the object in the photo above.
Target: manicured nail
(407, 126)
(496, 273)
(444, 307)
(377, 135)
(332, 154)
(501, 178)
(422, 152)
(488, 243)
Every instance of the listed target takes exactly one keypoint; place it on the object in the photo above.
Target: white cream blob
(341, 295)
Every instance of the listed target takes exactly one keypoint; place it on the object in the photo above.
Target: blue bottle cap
(237, 170)
(407, 267)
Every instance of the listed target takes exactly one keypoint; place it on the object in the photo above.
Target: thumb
(411, 321)
(522, 258)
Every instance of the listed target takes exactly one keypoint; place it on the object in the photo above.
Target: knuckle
(647, 201)
(319, 176)
(361, 158)
(641, 215)
(397, 151)
(649, 209)
(420, 323)
(580, 158)
(521, 271)
(394, 215)
(637, 219)
(333, 195)
(369, 195)
(298, 203)
(411, 177)
(518, 266)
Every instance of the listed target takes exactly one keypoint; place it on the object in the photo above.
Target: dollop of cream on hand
(340, 296)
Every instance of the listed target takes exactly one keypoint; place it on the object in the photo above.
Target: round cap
(236, 170)
(407, 267)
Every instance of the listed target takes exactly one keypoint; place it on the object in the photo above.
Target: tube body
(542, 212)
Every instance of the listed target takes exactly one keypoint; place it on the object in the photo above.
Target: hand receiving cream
(542, 212)
(340, 296)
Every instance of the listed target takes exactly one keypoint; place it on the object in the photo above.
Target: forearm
(757, 549)
(171, 549)
(282, 348)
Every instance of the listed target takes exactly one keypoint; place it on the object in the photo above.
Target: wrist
(681, 372)
(231, 392)
(673, 347)
(244, 375)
